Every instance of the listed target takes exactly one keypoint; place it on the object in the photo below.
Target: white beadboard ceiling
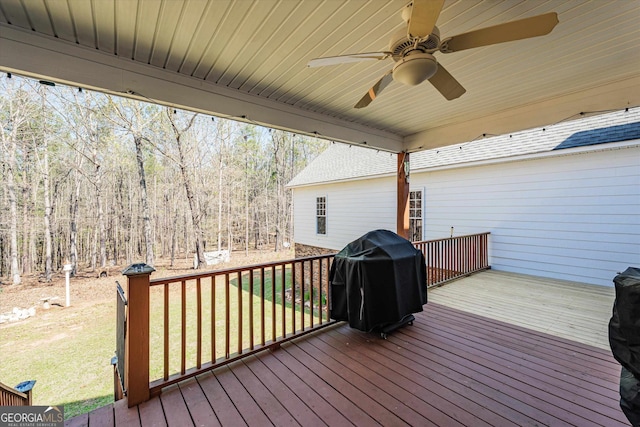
(247, 60)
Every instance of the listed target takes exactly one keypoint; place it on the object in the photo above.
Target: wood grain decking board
(450, 368)
(571, 310)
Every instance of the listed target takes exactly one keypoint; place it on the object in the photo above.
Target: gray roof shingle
(342, 162)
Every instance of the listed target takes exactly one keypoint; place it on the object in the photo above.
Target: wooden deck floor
(566, 309)
(450, 368)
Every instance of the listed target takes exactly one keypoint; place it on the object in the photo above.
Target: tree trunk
(48, 269)
(194, 206)
(145, 201)
(9, 140)
(229, 226)
(195, 217)
(102, 230)
(220, 204)
(267, 224)
(278, 218)
(174, 234)
(125, 218)
(33, 250)
(246, 212)
(256, 231)
(94, 250)
(73, 233)
(94, 139)
(13, 214)
(26, 212)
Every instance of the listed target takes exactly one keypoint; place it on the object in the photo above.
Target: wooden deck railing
(118, 361)
(200, 321)
(451, 258)
(179, 327)
(11, 397)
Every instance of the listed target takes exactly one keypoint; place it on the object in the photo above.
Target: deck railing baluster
(227, 316)
(283, 286)
(454, 257)
(273, 303)
(436, 256)
(311, 294)
(183, 325)
(251, 309)
(293, 297)
(240, 311)
(166, 331)
(213, 318)
(320, 285)
(283, 274)
(304, 304)
(445, 258)
(199, 323)
(326, 290)
(262, 320)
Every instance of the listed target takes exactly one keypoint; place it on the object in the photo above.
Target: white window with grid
(415, 216)
(321, 215)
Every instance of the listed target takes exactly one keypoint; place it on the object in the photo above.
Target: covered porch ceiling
(246, 60)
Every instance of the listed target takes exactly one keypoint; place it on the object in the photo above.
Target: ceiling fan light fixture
(415, 68)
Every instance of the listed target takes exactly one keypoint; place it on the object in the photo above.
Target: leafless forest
(92, 180)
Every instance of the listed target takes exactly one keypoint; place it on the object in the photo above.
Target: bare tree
(278, 141)
(15, 272)
(183, 180)
(47, 203)
(146, 216)
(136, 119)
(18, 111)
(179, 135)
(79, 159)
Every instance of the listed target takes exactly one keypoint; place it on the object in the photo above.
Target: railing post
(136, 368)
(402, 190)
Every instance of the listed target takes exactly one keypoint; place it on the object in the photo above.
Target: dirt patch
(87, 288)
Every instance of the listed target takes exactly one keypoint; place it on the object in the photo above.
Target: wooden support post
(136, 367)
(402, 222)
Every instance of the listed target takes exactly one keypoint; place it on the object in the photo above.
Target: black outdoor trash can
(377, 282)
(624, 338)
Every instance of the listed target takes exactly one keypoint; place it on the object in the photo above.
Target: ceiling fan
(412, 48)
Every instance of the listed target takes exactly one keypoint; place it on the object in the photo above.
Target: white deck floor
(566, 309)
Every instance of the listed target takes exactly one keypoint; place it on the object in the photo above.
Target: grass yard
(68, 350)
(68, 354)
(272, 288)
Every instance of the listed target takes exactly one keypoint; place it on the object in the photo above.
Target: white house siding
(561, 201)
(353, 208)
(574, 217)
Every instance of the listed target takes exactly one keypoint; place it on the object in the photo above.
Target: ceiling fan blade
(345, 59)
(446, 84)
(515, 30)
(424, 14)
(375, 90)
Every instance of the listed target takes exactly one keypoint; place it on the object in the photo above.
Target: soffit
(247, 60)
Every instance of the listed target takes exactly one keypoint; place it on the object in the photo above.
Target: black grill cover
(377, 280)
(624, 338)
(624, 327)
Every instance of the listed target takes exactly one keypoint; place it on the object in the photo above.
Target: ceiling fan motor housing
(415, 68)
(400, 44)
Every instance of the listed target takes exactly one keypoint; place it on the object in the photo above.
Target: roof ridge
(341, 162)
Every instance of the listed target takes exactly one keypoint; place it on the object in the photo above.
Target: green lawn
(68, 351)
(175, 321)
